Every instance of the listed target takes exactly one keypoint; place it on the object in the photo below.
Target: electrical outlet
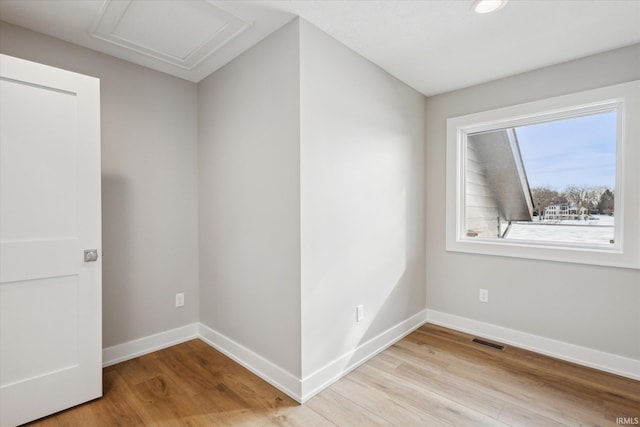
(484, 295)
(359, 313)
(180, 299)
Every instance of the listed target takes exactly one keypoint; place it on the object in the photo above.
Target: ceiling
(433, 45)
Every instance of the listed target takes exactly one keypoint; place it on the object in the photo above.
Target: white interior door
(50, 298)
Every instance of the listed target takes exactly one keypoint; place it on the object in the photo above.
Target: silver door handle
(90, 255)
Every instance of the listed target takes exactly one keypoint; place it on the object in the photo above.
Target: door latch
(90, 255)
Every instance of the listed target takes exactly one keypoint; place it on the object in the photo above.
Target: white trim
(129, 350)
(265, 369)
(333, 371)
(288, 383)
(303, 390)
(596, 359)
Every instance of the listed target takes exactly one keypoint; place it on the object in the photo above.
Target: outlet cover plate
(180, 299)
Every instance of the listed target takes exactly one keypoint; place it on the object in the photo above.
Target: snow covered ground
(598, 230)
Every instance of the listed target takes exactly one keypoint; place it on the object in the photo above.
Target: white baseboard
(302, 390)
(333, 371)
(268, 371)
(129, 350)
(596, 359)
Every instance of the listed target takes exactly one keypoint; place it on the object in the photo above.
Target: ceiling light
(488, 6)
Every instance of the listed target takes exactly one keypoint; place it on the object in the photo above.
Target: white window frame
(625, 252)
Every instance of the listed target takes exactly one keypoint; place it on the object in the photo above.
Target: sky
(576, 151)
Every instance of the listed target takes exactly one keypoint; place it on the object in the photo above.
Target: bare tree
(593, 197)
(543, 197)
(578, 195)
(606, 202)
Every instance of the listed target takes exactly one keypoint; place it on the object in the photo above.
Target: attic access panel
(181, 33)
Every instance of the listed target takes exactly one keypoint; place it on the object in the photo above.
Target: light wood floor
(432, 377)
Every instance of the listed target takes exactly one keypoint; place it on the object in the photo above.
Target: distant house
(564, 211)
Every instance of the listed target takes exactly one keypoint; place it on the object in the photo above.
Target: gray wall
(362, 174)
(311, 199)
(249, 192)
(149, 185)
(252, 110)
(594, 307)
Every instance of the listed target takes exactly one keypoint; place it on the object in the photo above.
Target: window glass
(552, 181)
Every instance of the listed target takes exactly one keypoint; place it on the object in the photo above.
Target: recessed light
(488, 6)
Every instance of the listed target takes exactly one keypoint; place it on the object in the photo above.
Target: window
(553, 179)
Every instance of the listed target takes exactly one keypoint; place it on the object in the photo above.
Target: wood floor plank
(448, 387)
(542, 382)
(378, 402)
(520, 386)
(342, 411)
(424, 399)
(298, 416)
(518, 416)
(432, 377)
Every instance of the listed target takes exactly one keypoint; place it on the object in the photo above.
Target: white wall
(311, 202)
(232, 144)
(362, 195)
(249, 194)
(149, 185)
(589, 306)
